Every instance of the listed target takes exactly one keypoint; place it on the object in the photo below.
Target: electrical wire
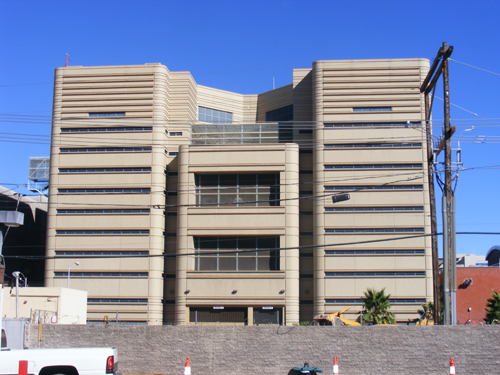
(215, 252)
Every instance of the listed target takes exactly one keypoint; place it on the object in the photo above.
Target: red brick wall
(484, 279)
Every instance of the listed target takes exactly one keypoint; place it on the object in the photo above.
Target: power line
(475, 67)
(175, 255)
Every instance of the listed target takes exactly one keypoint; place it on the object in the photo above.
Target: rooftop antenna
(67, 57)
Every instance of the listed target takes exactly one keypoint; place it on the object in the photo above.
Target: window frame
(218, 259)
(207, 194)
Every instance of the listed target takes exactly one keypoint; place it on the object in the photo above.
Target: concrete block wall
(276, 350)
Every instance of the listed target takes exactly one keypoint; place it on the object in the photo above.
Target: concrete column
(250, 316)
(182, 236)
(157, 198)
(290, 192)
(53, 178)
(318, 190)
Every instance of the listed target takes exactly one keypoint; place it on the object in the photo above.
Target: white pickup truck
(68, 361)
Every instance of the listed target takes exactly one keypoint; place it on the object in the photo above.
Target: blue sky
(242, 46)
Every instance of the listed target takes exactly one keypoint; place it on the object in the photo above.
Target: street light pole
(16, 275)
(69, 270)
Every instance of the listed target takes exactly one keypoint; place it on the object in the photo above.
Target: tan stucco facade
(133, 197)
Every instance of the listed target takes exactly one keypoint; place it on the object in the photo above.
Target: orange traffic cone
(187, 367)
(335, 365)
(452, 366)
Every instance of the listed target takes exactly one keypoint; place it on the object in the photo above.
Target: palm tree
(376, 305)
(493, 309)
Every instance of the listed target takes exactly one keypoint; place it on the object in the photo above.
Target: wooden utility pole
(428, 87)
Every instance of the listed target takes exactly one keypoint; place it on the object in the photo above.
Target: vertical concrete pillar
(290, 192)
(250, 316)
(182, 236)
(157, 197)
(53, 178)
(318, 191)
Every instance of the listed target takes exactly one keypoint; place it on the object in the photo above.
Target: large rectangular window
(280, 114)
(237, 253)
(214, 116)
(236, 190)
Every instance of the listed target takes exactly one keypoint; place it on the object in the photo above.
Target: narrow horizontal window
(171, 193)
(171, 214)
(305, 192)
(372, 109)
(98, 232)
(373, 252)
(103, 170)
(375, 230)
(343, 301)
(373, 166)
(374, 145)
(305, 152)
(359, 301)
(306, 255)
(104, 211)
(305, 172)
(101, 253)
(105, 149)
(175, 134)
(372, 124)
(306, 233)
(307, 213)
(375, 187)
(172, 173)
(173, 153)
(108, 129)
(305, 131)
(374, 274)
(107, 114)
(101, 274)
(306, 276)
(373, 209)
(171, 234)
(116, 300)
(110, 190)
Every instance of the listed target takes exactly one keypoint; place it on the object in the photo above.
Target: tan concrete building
(191, 205)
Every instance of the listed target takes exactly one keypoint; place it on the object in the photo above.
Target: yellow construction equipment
(335, 319)
(426, 319)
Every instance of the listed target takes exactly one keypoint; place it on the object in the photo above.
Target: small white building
(46, 305)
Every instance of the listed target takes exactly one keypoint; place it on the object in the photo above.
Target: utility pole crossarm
(423, 87)
(442, 55)
(447, 135)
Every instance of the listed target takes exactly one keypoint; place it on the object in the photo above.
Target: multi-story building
(188, 204)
